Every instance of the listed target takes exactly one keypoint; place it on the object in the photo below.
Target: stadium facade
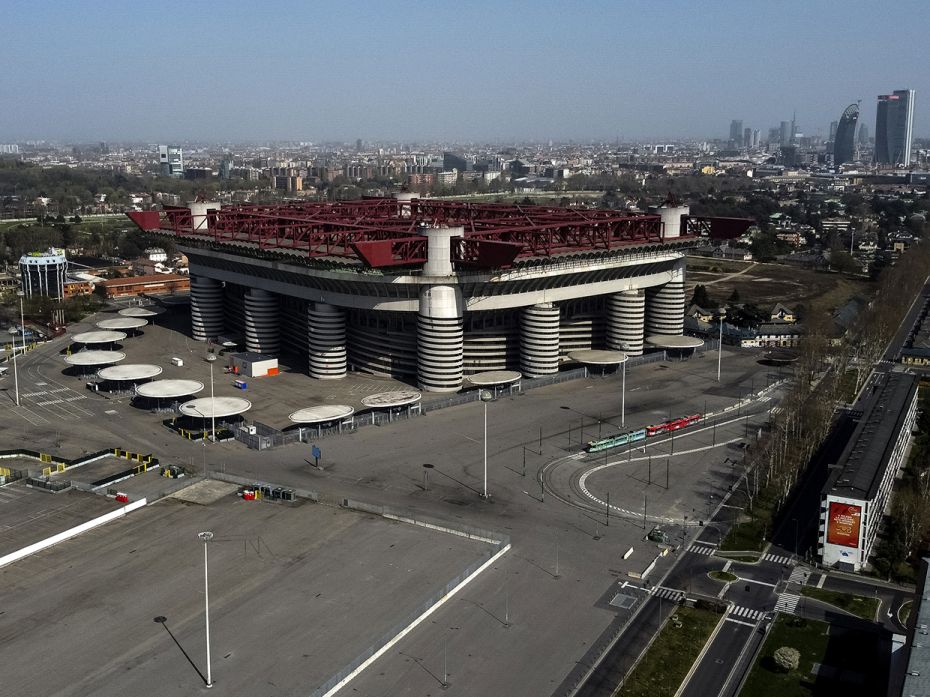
(431, 291)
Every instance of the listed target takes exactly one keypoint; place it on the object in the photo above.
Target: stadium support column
(261, 322)
(539, 340)
(665, 306)
(440, 333)
(326, 341)
(206, 308)
(626, 315)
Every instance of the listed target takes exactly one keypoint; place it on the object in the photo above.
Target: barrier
(71, 532)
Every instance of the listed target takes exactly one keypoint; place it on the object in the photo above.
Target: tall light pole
(485, 397)
(623, 394)
(22, 328)
(211, 358)
(720, 342)
(206, 536)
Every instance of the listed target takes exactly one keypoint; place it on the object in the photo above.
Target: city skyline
(483, 72)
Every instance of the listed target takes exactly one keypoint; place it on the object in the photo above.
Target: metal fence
(259, 436)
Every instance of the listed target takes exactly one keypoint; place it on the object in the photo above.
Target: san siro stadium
(431, 291)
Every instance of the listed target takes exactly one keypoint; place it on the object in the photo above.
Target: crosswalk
(798, 575)
(747, 613)
(776, 558)
(787, 603)
(667, 593)
(702, 548)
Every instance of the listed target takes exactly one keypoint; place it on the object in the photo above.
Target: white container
(177, 361)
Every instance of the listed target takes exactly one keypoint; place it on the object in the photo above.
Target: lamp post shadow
(163, 621)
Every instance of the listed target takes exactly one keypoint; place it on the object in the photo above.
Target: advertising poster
(843, 524)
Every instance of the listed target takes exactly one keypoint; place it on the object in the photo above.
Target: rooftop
(860, 467)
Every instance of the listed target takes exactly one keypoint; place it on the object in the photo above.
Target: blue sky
(420, 71)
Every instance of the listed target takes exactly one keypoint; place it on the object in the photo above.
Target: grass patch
(854, 667)
(671, 655)
(741, 558)
(724, 576)
(856, 604)
(904, 612)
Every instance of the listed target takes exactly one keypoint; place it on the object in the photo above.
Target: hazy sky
(449, 70)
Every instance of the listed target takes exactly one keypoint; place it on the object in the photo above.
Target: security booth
(252, 365)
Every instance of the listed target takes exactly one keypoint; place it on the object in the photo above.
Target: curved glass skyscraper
(844, 143)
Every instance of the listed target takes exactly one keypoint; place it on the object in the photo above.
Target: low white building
(858, 492)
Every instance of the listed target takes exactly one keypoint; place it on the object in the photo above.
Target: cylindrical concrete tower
(439, 250)
(539, 340)
(671, 218)
(261, 322)
(403, 199)
(200, 221)
(326, 340)
(440, 339)
(665, 308)
(206, 308)
(626, 315)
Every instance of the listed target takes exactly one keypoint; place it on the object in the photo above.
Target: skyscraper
(787, 133)
(833, 126)
(736, 131)
(844, 142)
(894, 124)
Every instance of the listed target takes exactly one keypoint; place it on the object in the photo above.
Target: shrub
(787, 659)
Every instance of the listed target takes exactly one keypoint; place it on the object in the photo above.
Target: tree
(843, 261)
(734, 296)
(787, 659)
(701, 298)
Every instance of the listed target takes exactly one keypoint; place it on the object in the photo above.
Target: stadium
(431, 291)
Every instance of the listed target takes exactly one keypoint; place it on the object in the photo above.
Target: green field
(855, 604)
(851, 662)
(671, 655)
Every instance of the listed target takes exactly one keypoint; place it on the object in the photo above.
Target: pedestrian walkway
(747, 613)
(667, 593)
(787, 603)
(704, 548)
(776, 558)
(798, 575)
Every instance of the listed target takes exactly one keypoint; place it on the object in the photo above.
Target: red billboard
(843, 524)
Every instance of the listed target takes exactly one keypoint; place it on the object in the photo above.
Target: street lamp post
(205, 537)
(623, 396)
(211, 358)
(22, 329)
(720, 343)
(485, 397)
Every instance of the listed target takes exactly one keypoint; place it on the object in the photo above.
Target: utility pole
(608, 509)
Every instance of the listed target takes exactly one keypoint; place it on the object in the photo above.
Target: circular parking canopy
(130, 371)
(321, 414)
(387, 400)
(122, 323)
(674, 341)
(596, 357)
(140, 312)
(99, 337)
(490, 378)
(90, 358)
(215, 407)
(169, 389)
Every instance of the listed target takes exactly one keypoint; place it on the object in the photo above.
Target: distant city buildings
(894, 125)
(171, 160)
(736, 131)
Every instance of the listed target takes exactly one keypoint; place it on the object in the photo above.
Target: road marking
(726, 567)
(823, 577)
(798, 575)
(735, 621)
(787, 603)
(700, 549)
(761, 583)
(776, 558)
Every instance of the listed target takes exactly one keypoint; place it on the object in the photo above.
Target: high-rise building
(833, 126)
(756, 138)
(747, 137)
(736, 131)
(785, 133)
(894, 126)
(863, 134)
(171, 160)
(844, 139)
